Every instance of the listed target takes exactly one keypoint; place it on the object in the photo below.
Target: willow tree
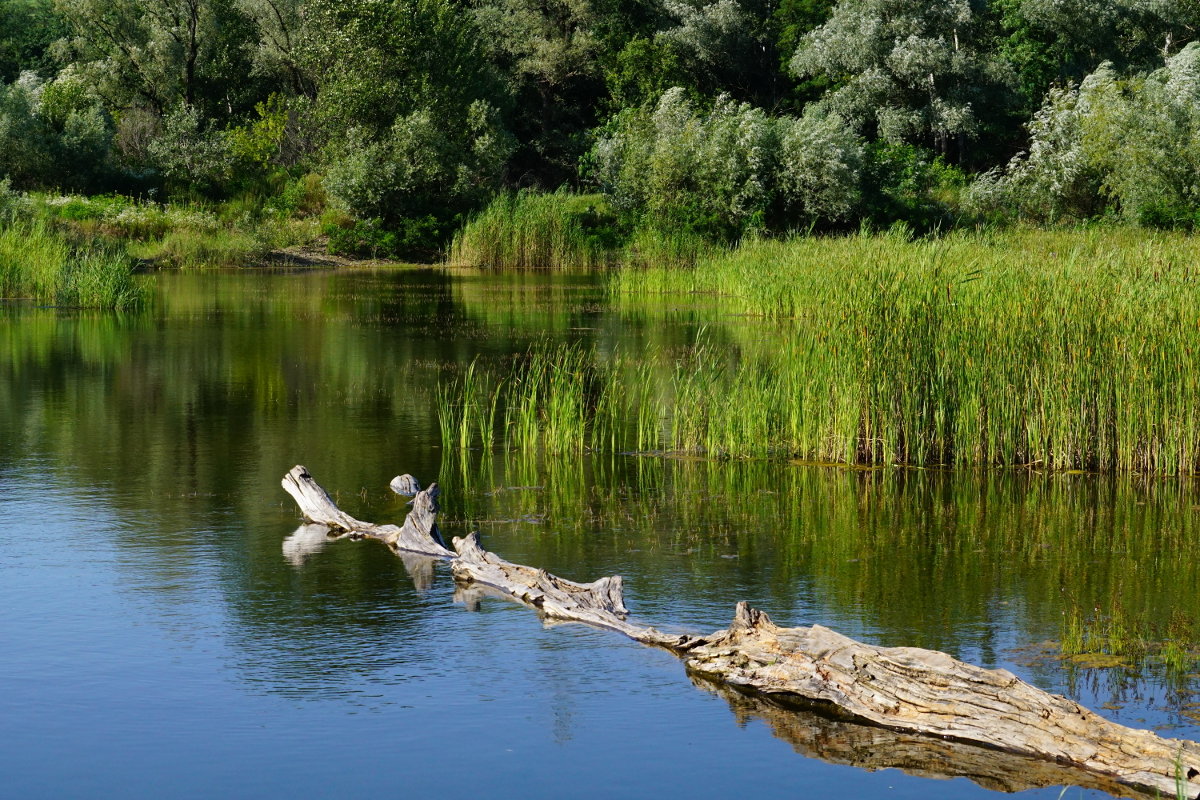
(407, 102)
(906, 70)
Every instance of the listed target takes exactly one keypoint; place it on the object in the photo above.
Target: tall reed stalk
(1059, 350)
(40, 264)
(528, 230)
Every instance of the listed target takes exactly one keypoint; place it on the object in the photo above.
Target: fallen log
(599, 603)
(910, 689)
(418, 534)
(903, 689)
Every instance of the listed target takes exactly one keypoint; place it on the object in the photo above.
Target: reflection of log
(840, 741)
(306, 540)
(419, 534)
(419, 568)
(901, 688)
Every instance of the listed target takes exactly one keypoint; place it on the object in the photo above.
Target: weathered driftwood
(910, 689)
(840, 741)
(598, 603)
(418, 534)
(903, 689)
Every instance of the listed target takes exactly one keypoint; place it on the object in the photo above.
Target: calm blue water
(169, 631)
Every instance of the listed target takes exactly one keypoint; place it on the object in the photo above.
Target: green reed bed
(38, 263)
(1066, 350)
(529, 230)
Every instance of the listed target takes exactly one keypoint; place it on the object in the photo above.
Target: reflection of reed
(304, 541)
(839, 741)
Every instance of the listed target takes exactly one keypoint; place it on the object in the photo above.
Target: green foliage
(413, 238)
(729, 171)
(53, 133)
(260, 142)
(40, 264)
(191, 153)
(724, 117)
(910, 185)
(411, 144)
(164, 53)
(642, 71)
(1135, 142)
(911, 71)
(28, 28)
(529, 230)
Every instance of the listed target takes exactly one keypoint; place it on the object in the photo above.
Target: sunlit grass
(38, 263)
(1057, 350)
(529, 230)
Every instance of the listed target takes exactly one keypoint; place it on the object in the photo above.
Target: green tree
(1134, 142)
(158, 53)
(27, 30)
(906, 70)
(405, 99)
(728, 170)
(54, 133)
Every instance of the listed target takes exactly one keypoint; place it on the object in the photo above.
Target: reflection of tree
(186, 417)
(846, 742)
(964, 562)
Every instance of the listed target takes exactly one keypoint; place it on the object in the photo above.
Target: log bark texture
(405, 485)
(599, 603)
(839, 741)
(901, 689)
(910, 689)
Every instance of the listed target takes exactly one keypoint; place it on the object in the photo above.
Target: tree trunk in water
(993, 725)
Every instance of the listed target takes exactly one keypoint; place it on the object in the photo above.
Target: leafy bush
(1133, 142)
(909, 184)
(423, 169)
(730, 170)
(53, 133)
(191, 153)
(417, 238)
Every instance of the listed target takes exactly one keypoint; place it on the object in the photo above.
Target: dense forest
(714, 117)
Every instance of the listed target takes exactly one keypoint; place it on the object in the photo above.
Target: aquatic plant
(1060, 349)
(529, 230)
(40, 264)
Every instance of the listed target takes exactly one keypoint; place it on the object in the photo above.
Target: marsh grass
(1114, 637)
(39, 263)
(1058, 350)
(234, 234)
(530, 230)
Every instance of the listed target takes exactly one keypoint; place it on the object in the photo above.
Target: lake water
(171, 630)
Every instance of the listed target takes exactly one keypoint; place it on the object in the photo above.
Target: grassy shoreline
(38, 263)
(1049, 349)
